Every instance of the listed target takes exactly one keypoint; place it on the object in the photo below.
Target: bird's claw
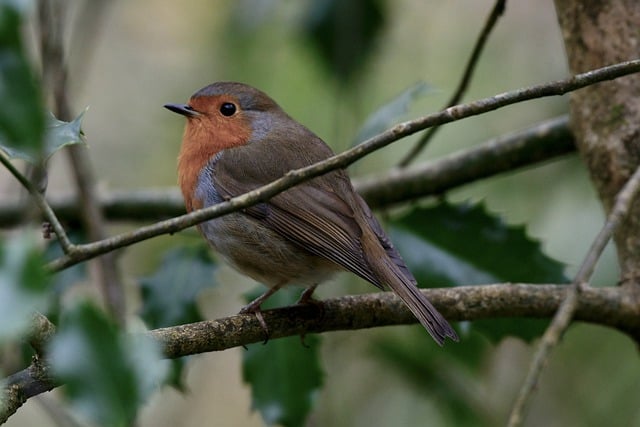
(257, 311)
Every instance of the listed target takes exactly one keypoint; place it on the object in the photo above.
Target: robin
(237, 139)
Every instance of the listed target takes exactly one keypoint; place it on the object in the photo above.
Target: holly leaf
(61, 134)
(58, 134)
(107, 373)
(284, 374)
(23, 284)
(391, 112)
(464, 244)
(22, 119)
(169, 295)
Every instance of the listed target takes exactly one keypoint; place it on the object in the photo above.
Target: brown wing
(324, 216)
(313, 215)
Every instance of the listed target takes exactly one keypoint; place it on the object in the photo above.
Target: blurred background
(133, 57)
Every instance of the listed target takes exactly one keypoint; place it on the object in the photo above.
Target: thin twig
(540, 143)
(40, 202)
(346, 158)
(563, 317)
(492, 19)
(609, 306)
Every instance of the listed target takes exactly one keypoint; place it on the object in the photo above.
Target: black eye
(228, 109)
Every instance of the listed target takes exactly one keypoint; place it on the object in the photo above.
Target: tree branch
(344, 159)
(540, 143)
(40, 202)
(610, 306)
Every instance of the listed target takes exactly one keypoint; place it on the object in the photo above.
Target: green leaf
(59, 134)
(390, 113)
(463, 244)
(108, 374)
(21, 113)
(63, 279)
(169, 295)
(344, 33)
(284, 374)
(23, 284)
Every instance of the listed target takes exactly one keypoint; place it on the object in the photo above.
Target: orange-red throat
(212, 126)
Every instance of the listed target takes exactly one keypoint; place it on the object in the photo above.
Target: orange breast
(204, 138)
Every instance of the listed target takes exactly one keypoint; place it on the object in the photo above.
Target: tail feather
(390, 270)
(425, 312)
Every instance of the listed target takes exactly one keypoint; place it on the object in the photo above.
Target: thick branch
(540, 143)
(611, 307)
(606, 118)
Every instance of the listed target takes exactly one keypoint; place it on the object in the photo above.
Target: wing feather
(315, 215)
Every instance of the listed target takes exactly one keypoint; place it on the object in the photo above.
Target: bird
(237, 139)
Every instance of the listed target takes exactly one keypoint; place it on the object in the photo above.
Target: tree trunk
(605, 118)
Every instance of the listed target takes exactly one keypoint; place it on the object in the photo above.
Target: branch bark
(540, 143)
(612, 306)
(606, 118)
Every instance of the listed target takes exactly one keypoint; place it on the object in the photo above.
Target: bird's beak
(182, 109)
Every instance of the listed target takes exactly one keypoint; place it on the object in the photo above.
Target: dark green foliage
(23, 284)
(284, 374)
(107, 373)
(449, 245)
(22, 119)
(344, 33)
(464, 245)
(169, 295)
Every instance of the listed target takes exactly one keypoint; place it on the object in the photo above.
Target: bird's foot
(255, 309)
(306, 298)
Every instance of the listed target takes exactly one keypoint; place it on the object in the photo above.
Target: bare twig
(40, 333)
(40, 202)
(540, 143)
(54, 69)
(610, 306)
(492, 19)
(346, 158)
(567, 309)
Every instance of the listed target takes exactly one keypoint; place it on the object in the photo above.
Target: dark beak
(182, 109)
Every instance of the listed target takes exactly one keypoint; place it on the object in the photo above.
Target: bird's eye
(228, 109)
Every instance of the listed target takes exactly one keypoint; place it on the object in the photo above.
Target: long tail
(420, 306)
(387, 265)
